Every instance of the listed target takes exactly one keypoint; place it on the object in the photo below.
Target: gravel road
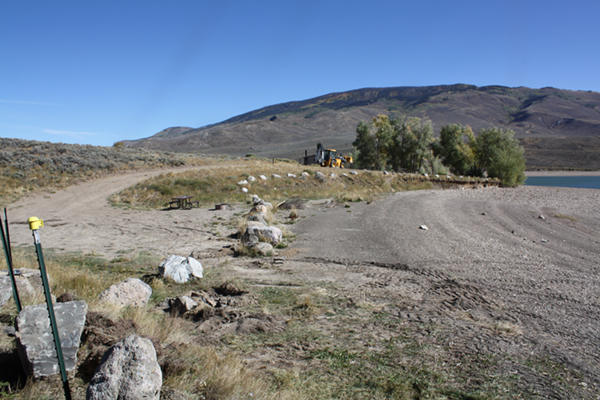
(487, 254)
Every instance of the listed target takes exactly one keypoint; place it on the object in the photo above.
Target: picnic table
(183, 202)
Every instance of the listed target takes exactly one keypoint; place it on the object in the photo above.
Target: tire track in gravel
(470, 261)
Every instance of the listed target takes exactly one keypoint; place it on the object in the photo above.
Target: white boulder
(180, 269)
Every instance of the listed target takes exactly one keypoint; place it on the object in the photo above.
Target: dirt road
(80, 218)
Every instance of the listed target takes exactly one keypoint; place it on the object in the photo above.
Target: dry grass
(219, 184)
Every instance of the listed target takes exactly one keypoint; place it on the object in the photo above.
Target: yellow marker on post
(35, 223)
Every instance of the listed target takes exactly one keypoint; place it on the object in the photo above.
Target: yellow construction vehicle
(330, 158)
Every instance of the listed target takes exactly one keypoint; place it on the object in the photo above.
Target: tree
(454, 151)
(373, 142)
(410, 143)
(499, 153)
(365, 146)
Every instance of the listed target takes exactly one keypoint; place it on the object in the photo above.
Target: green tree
(454, 151)
(373, 142)
(410, 143)
(365, 146)
(499, 154)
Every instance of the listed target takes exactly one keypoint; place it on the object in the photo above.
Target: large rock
(180, 269)
(128, 371)
(29, 283)
(131, 292)
(35, 341)
(268, 234)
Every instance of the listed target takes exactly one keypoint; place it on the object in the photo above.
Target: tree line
(407, 143)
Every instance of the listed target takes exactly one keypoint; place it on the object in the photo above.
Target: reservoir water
(584, 182)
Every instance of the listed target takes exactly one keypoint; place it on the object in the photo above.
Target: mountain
(558, 128)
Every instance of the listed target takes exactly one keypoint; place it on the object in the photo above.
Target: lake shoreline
(562, 173)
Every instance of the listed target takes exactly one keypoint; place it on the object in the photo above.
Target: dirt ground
(524, 262)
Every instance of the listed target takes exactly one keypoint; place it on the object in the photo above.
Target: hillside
(558, 128)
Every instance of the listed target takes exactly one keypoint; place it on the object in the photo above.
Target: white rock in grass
(180, 269)
(264, 178)
(241, 183)
(245, 190)
(132, 292)
(353, 173)
(251, 178)
(305, 174)
(275, 176)
(291, 175)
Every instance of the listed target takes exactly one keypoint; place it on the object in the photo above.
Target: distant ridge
(558, 128)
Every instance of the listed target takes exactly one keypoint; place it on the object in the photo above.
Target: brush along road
(488, 277)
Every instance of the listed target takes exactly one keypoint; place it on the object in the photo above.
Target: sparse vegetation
(27, 165)
(214, 185)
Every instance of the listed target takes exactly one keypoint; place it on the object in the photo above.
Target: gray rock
(180, 269)
(319, 175)
(128, 371)
(268, 234)
(184, 304)
(131, 292)
(35, 342)
(423, 227)
(353, 173)
(541, 217)
(275, 176)
(258, 218)
(29, 283)
(263, 249)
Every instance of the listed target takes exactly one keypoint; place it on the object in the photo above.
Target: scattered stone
(437, 176)
(513, 232)
(541, 217)
(482, 213)
(35, 341)
(425, 175)
(245, 190)
(129, 370)
(332, 175)
(258, 218)
(131, 292)
(180, 269)
(291, 175)
(256, 234)
(423, 227)
(385, 172)
(319, 175)
(353, 173)
(345, 174)
(305, 174)
(264, 178)
(263, 249)
(544, 241)
(242, 182)
(250, 178)
(275, 176)
(184, 304)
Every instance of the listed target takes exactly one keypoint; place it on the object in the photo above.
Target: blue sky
(97, 72)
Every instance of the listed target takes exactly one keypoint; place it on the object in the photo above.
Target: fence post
(35, 224)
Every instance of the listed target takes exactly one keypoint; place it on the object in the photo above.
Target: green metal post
(8, 254)
(59, 354)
